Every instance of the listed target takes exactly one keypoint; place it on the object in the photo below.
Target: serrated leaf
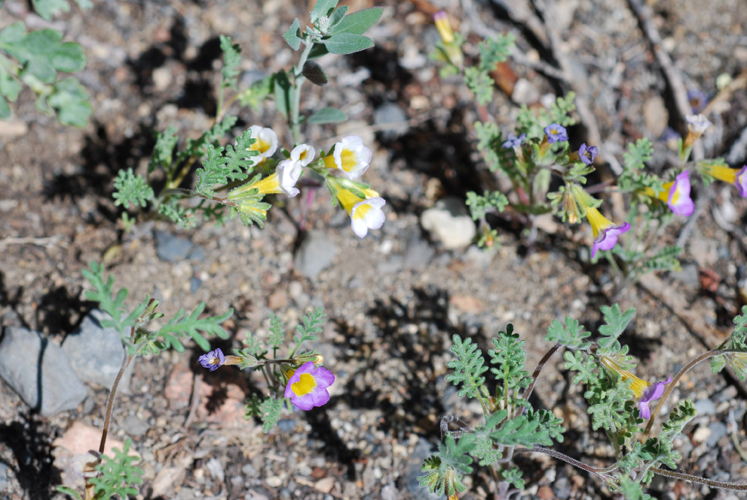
(468, 367)
(571, 335)
(347, 43)
(358, 22)
(616, 320)
(70, 99)
(328, 115)
(131, 188)
(113, 306)
(194, 326)
(292, 35)
(270, 410)
(163, 151)
(315, 73)
(116, 476)
(232, 59)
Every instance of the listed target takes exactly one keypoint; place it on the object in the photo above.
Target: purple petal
(607, 238)
(681, 187)
(652, 393)
(644, 410)
(742, 181)
(555, 133)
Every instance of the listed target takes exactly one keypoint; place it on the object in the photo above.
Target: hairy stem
(536, 373)
(700, 480)
(112, 394)
(601, 473)
(671, 386)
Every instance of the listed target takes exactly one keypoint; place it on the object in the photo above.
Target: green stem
(298, 81)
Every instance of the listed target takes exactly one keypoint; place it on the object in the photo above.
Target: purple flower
(513, 141)
(741, 181)
(697, 99)
(212, 360)
(588, 154)
(556, 133)
(308, 385)
(653, 392)
(679, 200)
(605, 231)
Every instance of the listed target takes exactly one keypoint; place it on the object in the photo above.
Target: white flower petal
(303, 153)
(289, 172)
(267, 142)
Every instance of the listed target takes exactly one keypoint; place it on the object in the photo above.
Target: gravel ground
(393, 299)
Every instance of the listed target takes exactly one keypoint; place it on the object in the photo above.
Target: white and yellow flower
(303, 154)
(365, 213)
(350, 156)
(283, 180)
(265, 143)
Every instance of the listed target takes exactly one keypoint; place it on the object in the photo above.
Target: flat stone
(13, 128)
(718, 430)
(391, 120)
(417, 253)
(655, 115)
(173, 248)
(450, 223)
(39, 372)
(96, 353)
(315, 254)
(705, 407)
(133, 426)
(689, 274)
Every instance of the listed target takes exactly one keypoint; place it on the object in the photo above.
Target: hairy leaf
(194, 326)
(131, 188)
(347, 43)
(358, 22)
(293, 35)
(468, 367)
(117, 475)
(232, 59)
(571, 335)
(270, 409)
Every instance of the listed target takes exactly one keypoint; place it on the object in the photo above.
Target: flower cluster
(346, 162)
(307, 386)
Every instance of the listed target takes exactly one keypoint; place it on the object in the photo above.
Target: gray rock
(258, 493)
(422, 451)
(389, 492)
(391, 119)
(194, 284)
(316, 253)
(4, 478)
(96, 353)
(249, 470)
(133, 426)
(417, 253)
(718, 430)
(705, 407)
(393, 265)
(39, 372)
(175, 248)
(689, 274)
(286, 424)
(525, 92)
(561, 488)
(450, 223)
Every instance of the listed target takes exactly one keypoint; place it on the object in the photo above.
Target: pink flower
(308, 385)
(652, 393)
(679, 195)
(605, 231)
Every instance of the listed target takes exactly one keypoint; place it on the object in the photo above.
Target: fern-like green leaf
(232, 59)
(117, 475)
(113, 306)
(163, 151)
(571, 334)
(616, 322)
(480, 83)
(468, 367)
(270, 410)
(131, 188)
(510, 357)
(193, 325)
